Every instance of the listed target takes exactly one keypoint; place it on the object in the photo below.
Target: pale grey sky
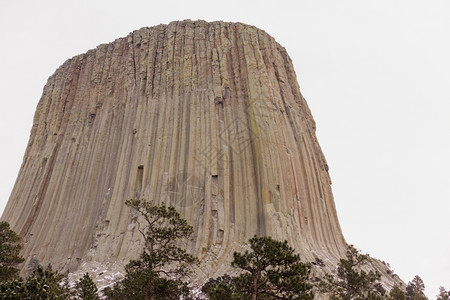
(375, 74)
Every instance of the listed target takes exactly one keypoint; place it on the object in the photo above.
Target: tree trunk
(255, 286)
(147, 290)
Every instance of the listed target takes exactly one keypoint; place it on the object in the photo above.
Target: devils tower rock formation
(207, 117)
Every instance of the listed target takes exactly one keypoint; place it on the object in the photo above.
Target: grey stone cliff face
(207, 117)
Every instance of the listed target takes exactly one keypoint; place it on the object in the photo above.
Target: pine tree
(396, 293)
(159, 271)
(443, 294)
(46, 284)
(9, 252)
(415, 289)
(352, 282)
(271, 270)
(86, 288)
(220, 288)
(41, 284)
(13, 289)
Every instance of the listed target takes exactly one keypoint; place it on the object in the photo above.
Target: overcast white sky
(376, 75)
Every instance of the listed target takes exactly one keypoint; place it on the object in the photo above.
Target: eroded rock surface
(207, 117)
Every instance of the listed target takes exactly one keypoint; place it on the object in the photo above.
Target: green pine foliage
(159, 271)
(142, 284)
(86, 288)
(351, 281)
(396, 293)
(41, 284)
(271, 270)
(220, 288)
(415, 290)
(47, 284)
(9, 252)
(443, 294)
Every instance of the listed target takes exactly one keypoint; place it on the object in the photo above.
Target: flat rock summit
(207, 117)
